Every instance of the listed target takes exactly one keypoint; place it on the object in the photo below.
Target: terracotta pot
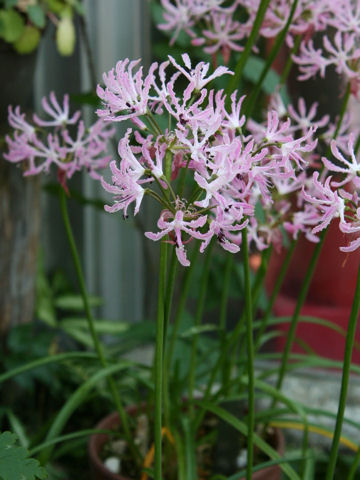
(96, 442)
(112, 421)
(274, 472)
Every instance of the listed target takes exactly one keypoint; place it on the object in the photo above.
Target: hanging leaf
(36, 15)
(12, 25)
(10, 3)
(14, 461)
(28, 40)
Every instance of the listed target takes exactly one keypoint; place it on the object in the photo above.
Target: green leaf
(55, 6)
(75, 302)
(252, 72)
(199, 329)
(78, 6)
(28, 40)
(36, 15)
(12, 25)
(10, 3)
(18, 428)
(101, 326)
(285, 237)
(86, 98)
(260, 212)
(14, 461)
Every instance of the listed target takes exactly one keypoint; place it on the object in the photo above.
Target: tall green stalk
(295, 318)
(312, 265)
(278, 284)
(269, 61)
(181, 306)
(350, 337)
(167, 313)
(250, 352)
(159, 362)
(233, 83)
(91, 324)
(198, 318)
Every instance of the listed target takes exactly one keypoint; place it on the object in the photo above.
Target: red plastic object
(330, 295)
(321, 339)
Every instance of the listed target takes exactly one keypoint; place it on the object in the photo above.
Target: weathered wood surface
(19, 201)
(19, 238)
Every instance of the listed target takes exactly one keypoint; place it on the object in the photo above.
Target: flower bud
(65, 36)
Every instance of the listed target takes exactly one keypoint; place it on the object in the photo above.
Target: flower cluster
(230, 176)
(220, 29)
(309, 202)
(61, 139)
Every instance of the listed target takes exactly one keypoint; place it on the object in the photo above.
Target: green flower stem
(250, 353)
(234, 338)
(311, 268)
(233, 83)
(225, 292)
(354, 466)
(198, 318)
(159, 362)
(168, 302)
(343, 110)
(153, 122)
(224, 305)
(278, 284)
(256, 289)
(181, 305)
(97, 344)
(294, 320)
(269, 61)
(350, 337)
(289, 62)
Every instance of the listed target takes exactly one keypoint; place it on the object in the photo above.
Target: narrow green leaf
(69, 436)
(75, 302)
(44, 361)
(101, 326)
(75, 400)
(241, 475)
(189, 448)
(18, 428)
(258, 441)
(196, 330)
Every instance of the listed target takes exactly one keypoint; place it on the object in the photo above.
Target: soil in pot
(212, 455)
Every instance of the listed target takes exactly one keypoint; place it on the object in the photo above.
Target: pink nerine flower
(175, 226)
(344, 54)
(125, 188)
(125, 92)
(60, 115)
(196, 76)
(350, 168)
(328, 203)
(39, 149)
